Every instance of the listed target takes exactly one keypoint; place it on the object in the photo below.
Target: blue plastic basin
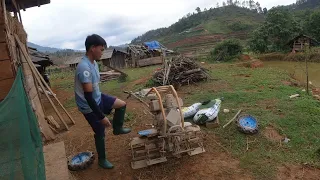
(80, 158)
(248, 121)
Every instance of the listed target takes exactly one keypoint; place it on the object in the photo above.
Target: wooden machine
(171, 136)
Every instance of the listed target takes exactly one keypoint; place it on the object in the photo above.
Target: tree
(258, 7)
(279, 27)
(226, 50)
(244, 4)
(205, 9)
(224, 4)
(265, 11)
(230, 2)
(237, 3)
(251, 4)
(314, 25)
(217, 5)
(258, 41)
(198, 10)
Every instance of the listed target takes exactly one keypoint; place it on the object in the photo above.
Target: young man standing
(92, 103)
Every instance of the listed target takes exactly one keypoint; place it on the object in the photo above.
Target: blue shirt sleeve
(84, 74)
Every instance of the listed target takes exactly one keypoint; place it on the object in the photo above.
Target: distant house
(301, 42)
(41, 60)
(73, 62)
(115, 58)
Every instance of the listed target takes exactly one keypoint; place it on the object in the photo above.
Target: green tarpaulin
(21, 152)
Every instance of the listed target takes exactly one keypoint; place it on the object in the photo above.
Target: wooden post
(307, 73)
(19, 14)
(4, 12)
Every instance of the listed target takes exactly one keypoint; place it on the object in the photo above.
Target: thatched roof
(24, 4)
(39, 57)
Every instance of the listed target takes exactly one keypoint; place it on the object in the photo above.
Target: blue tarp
(153, 45)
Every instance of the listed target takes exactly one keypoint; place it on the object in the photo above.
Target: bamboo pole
(34, 71)
(232, 119)
(41, 78)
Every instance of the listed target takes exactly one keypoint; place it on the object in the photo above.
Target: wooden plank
(51, 121)
(149, 61)
(6, 70)
(4, 51)
(5, 86)
(2, 33)
(26, 71)
(56, 161)
(33, 93)
(29, 82)
(44, 126)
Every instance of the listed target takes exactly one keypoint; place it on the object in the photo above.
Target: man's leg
(118, 118)
(107, 104)
(99, 137)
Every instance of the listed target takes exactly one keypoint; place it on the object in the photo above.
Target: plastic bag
(208, 114)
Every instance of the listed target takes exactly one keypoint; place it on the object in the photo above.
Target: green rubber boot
(117, 122)
(100, 146)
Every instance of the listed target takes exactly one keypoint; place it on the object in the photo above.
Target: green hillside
(199, 32)
(207, 27)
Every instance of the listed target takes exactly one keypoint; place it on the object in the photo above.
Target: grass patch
(63, 80)
(262, 94)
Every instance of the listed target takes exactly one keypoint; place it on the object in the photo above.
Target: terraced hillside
(205, 29)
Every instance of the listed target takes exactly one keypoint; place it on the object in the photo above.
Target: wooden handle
(232, 119)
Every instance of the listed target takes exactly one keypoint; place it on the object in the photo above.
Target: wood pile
(109, 75)
(180, 70)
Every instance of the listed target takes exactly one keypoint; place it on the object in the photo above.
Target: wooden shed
(115, 58)
(301, 42)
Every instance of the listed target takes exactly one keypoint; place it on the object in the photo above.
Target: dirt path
(216, 163)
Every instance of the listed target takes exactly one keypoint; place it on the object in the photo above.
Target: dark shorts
(106, 107)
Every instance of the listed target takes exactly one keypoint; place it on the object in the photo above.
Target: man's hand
(105, 121)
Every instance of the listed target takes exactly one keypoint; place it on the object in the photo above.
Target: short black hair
(94, 40)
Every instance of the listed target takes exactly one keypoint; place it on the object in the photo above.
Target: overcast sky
(66, 23)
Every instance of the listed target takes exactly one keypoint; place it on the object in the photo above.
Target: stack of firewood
(180, 71)
(109, 75)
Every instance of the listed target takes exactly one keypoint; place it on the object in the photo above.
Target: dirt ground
(215, 163)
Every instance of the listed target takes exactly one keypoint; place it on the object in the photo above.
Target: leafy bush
(226, 50)
(239, 26)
